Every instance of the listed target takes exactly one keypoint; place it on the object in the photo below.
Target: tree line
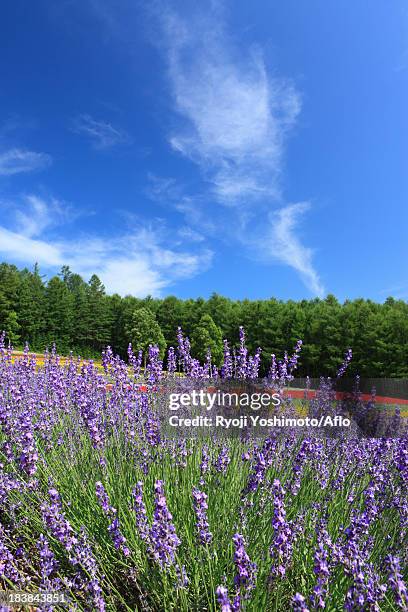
(80, 316)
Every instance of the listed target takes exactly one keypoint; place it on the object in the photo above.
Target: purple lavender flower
(245, 578)
(142, 524)
(204, 465)
(181, 454)
(82, 557)
(357, 542)
(48, 564)
(182, 578)
(135, 362)
(87, 403)
(281, 372)
(299, 603)
(223, 460)
(107, 358)
(273, 374)
(200, 509)
(80, 553)
(56, 522)
(162, 536)
(171, 361)
(8, 563)
(293, 361)
(207, 369)
(29, 456)
(8, 484)
(281, 549)
(304, 454)
(148, 422)
(241, 360)
(365, 591)
(226, 368)
(114, 528)
(346, 362)
(254, 364)
(257, 475)
(401, 461)
(321, 569)
(154, 368)
(103, 498)
(184, 351)
(223, 599)
(117, 537)
(396, 582)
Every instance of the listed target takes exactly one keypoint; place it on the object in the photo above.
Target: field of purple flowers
(97, 503)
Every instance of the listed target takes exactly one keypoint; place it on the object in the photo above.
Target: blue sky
(253, 149)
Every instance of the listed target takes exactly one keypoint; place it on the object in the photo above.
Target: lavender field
(96, 503)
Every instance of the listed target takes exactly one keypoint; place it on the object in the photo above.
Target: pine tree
(10, 279)
(59, 314)
(99, 316)
(4, 310)
(122, 320)
(31, 308)
(145, 330)
(220, 309)
(81, 314)
(207, 335)
(170, 315)
(12, 328)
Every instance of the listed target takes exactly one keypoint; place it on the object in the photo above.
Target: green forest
(80, 316)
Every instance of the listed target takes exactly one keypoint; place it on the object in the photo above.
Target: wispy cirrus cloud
(36, 214)
(17, 161)
(235, 119)
(285, 245)
(140, 261)
(189, 234)
(162, 188)
(102, 134)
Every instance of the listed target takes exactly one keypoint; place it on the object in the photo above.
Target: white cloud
(102, 134)
(162, 189)
(16, 161)
(237, 117)
(283, 244)
(137, 262)
(131, 276)
(189, 234)
(26, 250)
(38, 214)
